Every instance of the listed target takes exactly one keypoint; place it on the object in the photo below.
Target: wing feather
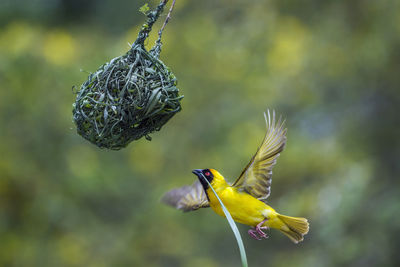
(187, 198)
(256, 178)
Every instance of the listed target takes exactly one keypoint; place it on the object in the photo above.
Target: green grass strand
(234, 228)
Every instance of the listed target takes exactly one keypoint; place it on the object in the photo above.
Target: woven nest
(127, 98)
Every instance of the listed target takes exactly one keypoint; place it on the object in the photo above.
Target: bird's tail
(294, 227)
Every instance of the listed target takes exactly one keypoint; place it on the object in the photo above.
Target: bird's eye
(207, 173)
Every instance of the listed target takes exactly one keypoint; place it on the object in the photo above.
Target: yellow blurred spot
(229, 62)
(245, 138)
(18, 38)
(59, 48)
(82, 161)
(337, 61)
(287, 52)
(147, 158)
(199, 33)
(202, 262)
(71, 250)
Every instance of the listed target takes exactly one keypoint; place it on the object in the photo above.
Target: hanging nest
(129, 97)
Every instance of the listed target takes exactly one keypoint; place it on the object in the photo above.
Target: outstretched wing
(256, 178)
(187, 198)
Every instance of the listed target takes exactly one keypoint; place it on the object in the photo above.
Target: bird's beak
(198, 172)
(201, 177)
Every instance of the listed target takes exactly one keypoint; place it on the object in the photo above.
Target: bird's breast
(243, 207)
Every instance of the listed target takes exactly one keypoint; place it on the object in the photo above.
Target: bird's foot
(260, 228)
(253, 234)
(257, 232)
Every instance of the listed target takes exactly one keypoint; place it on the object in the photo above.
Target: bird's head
(210, 175)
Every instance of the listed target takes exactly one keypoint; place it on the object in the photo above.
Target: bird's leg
(259, 229)
(253, 234)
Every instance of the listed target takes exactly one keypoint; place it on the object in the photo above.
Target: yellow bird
(245, 199)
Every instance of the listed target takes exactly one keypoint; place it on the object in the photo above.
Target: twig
(166, 20)
(156, 49)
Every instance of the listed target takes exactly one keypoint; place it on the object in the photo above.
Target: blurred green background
(331, 68)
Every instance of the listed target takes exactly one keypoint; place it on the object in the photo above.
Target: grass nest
(129, 97)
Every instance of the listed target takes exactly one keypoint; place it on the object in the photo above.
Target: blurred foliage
(330, 67)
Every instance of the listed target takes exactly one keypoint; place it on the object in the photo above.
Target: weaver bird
(245, 199)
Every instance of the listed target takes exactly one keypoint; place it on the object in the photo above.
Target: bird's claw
(253, 234)
(257, 232)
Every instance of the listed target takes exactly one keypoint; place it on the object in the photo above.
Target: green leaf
(145, 9)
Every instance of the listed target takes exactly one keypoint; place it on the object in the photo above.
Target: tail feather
(296, 228)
